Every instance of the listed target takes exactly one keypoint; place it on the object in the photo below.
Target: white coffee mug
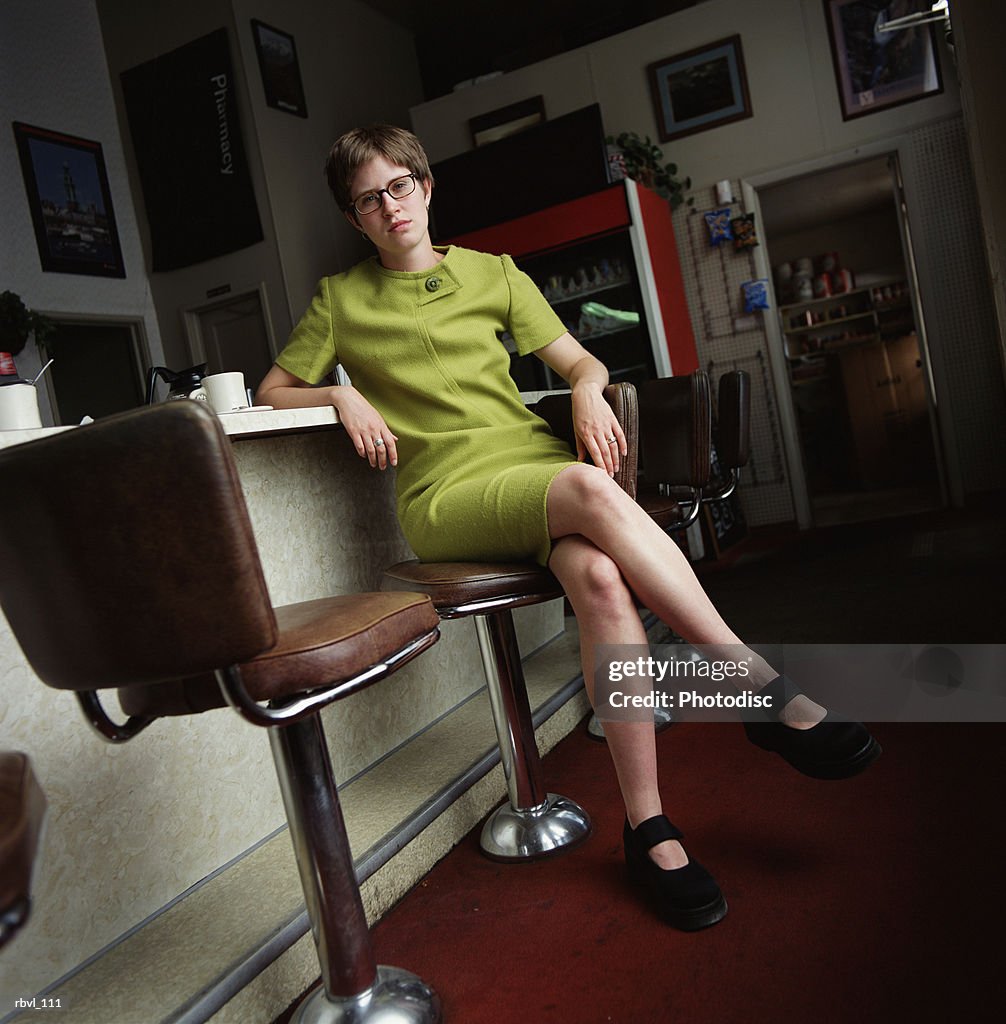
(223, 392)
(19, 407)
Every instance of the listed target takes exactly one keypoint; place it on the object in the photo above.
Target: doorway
(853, 341)
(232, 335)
(98, 368)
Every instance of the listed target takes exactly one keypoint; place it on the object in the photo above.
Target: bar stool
(22, 814)
(535, 823)
(675, 438)
(687, 458)
(142, 575)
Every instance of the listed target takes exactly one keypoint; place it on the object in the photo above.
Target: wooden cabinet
(815, 328)
(888, 419)
(858, 389)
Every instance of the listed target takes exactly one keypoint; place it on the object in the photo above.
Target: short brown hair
(351, 151)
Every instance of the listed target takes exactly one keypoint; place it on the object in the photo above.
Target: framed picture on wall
(70, 203)
(877, 67)
(277, 61)
(700, 89)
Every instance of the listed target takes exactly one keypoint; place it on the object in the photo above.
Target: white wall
(356, 67)
(790, 79)
(53, 75)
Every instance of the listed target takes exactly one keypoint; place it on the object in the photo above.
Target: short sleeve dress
(424, 349)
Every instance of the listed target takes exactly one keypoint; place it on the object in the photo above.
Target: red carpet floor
(876, 899)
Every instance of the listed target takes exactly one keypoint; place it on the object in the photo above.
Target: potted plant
(644, 162)
(17, 324)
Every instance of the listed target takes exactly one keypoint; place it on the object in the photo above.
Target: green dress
(474, 464)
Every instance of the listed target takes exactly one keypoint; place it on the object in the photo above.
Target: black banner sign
(183, 120)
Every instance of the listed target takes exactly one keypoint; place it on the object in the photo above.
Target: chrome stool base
(661, 720)
(396, 997)
(556, 825)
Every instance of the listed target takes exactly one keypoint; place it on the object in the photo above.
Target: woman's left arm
(594, 420)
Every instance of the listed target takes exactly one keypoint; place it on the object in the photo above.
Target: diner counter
(258, 422)
(131, 827)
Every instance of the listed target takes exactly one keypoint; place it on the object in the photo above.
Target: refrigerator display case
(608, 264)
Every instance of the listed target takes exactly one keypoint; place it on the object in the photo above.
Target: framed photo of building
(70, 203)
(700, 89)
(875, 67)
(277, 61)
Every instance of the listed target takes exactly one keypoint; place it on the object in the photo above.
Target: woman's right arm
(282, 390)
(362, 422)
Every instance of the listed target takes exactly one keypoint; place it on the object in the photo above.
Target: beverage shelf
(825, 324)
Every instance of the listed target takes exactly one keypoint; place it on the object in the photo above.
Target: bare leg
(606, 613)
(584, 501)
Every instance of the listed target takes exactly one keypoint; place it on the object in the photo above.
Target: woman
(481, 478)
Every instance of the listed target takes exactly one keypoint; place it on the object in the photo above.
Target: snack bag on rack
(718, 222)
(755, 295)
(745, 236)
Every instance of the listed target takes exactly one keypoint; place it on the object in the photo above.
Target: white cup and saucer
(225, 393)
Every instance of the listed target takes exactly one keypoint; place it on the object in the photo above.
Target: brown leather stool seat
(479, 584)
(165, 600)
(535, 823)
(664, 509)
(333, 638)
(22, 813)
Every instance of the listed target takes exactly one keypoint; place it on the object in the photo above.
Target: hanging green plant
(18, 323)
(644, 162)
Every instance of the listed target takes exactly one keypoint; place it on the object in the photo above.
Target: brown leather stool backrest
(684, 458)
(733, 419)
(136, 549)
(556, 411)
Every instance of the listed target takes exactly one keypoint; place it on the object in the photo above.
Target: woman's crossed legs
(607, 548)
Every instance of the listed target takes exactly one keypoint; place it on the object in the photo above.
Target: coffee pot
(181, 383)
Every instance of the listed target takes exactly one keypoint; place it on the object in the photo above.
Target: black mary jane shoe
(687, 898)
(832, 749)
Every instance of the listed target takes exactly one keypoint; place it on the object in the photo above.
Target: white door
(232, 335)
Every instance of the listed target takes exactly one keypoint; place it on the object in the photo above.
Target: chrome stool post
(354, 989)
(535, 823)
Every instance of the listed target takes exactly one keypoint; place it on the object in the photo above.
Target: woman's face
(398, 227)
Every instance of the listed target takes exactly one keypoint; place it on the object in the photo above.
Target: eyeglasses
(371, 202)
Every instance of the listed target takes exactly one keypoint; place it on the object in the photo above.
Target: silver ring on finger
(610, 440)
(378, 442)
